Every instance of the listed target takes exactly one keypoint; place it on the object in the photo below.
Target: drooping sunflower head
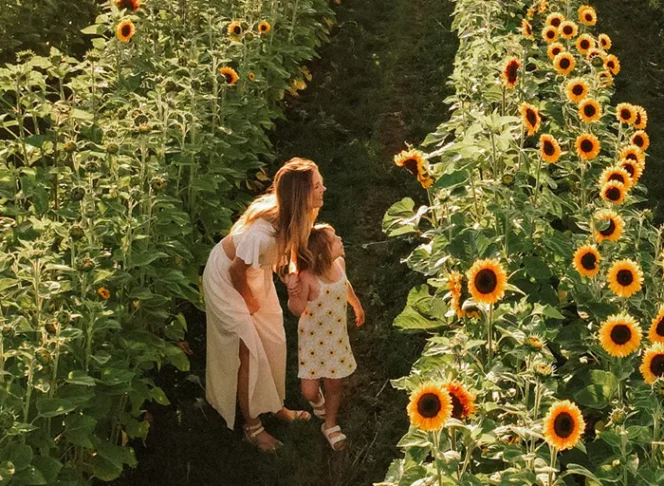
(652, 366)
(617, 174)
(586, 261)
(590, 110)
(604, 41)
(605, 79)
(429, 408)
(543, 5)
(510, 73)
(131, 5)
(125, 31)
(577, 89)
(549, 34)
(554, 19)
(530, 118)
(527, 29)
(610, 225)
(640, 139)
(530, 13)
(235, 30)
(568, 29)
(549, 149)
(587, 15)
(587, 146)
(455, 286)
(625, 278)
(264, 27)
(412, 160)
(463, 401)
(584, 43)
(230, 75)
(656, 334)
(564, 63)
(641, 120)
(626, 113)
(634, 169)
(563, 425)
(633, 152)
(620, 335)
(612, 64)
(613, 192)
(554, 49)
(425, 180)
(487, 281)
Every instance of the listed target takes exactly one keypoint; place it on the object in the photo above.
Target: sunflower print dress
(323, 346)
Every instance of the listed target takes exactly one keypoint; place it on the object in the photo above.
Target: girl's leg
(333, 391)
(263, 441)
(311, 390)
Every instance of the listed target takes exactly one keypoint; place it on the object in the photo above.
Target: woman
(246, 343)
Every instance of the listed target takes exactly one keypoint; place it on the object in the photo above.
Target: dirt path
(380, 82)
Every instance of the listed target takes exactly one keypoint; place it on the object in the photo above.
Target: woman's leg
(263, 441)
(333, 391)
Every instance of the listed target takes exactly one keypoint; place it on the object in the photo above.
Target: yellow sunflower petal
(563, 425)
(620, 335)
(625, 278)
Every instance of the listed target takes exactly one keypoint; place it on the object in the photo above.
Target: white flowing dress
(229, 321)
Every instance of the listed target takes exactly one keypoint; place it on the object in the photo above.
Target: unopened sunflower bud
(51, 327)
(112, 148)
(43, 356)
(76, 232)
(86, 264)
(615, 463)
(618, 416)
(508, 179)
(144, 129)
(69, 147)
(77, 193)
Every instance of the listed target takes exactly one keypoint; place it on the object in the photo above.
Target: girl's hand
(359, 316)
(293, 283)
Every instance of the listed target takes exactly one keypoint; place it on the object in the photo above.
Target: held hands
(292, 281)
(359, 315)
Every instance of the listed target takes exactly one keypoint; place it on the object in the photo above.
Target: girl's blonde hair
(320, 246)
(288, 206)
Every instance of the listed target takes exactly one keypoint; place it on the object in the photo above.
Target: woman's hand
(293, 284)
(359, 315)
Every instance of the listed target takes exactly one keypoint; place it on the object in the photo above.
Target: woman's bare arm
(238, 273)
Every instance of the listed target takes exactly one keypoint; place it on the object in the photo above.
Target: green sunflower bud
(112, 148)
(76, 232)
(77, 193)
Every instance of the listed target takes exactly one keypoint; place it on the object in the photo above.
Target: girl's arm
(352, 298)
(297, 301)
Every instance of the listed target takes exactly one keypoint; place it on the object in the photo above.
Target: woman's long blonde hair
(288, 206)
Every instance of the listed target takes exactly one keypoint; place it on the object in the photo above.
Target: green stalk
(552, 465)
(292, 27)
(490, 337)
(434, 452)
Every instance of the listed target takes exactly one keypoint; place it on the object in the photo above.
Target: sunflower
(425, 180)
(549, 34)
(264, 27)
(568, 29)
(625, 278)
(530, 117)
(564, 63)
(641, 140)
(555, 49)
(590, 110)
(587, 146)
(429, 408)
(563, 425)
(595, 53)
(584, 43)
(641, 118)
(527, 29)
(125, 31)
(586, 261)
(652, 366)
(626, 113)
(530, 13)
(633, 152)
(412, 160)
(554, 19)
(577, 89)
(615, 225)
(605, 79)
(612, 64)
(229, 75)
(543, 5)
(620, 335)
(604, 41)
(549, 149)
(634, 169)
(617, 174)
(613, 192)
(463, 401)
(656, 334)
(235, 30)
(251, 77)
(455, 286)
(132, 5)
(487, 280)
(104, 293)
(587, 15)
(511, 72)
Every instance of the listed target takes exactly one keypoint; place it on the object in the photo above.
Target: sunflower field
(118, 171)
(544, 295)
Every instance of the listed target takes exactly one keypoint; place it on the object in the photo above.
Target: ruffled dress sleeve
(255, 245)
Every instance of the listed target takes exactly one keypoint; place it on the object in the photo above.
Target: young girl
(323, 348)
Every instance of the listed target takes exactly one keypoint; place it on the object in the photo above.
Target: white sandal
(251, 432)
(319, 407)
(334, 440)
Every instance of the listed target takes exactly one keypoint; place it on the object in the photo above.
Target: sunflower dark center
(126, 30)
(565, 63)
(585, 44)
(577, 89)
(611, 65)
(638, 119)
(587, 146)
(638, 141)
(567, 30)
(457, 407)
(555, 22)
(263, 28)
(625, 277)
(621, 334)
(610, 230)
(625, 114)
(589, 17)
(617, 177)
(630, 169)
(228, 77)
(429, 405)
(563, 425)
(589, 110)
(589, 261)
(613, 194)
(237, 30)
(486, 281)
(660, 327)
(550, 33)
(555, 51)
(632, 156)
(657, 365)
(512, 71)
(531, 116)
(548, 148)
(411, 166)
